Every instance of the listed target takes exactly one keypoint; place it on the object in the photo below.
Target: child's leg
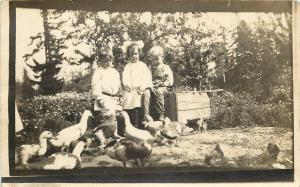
(158, 102)
(146, 102)
(134, 116)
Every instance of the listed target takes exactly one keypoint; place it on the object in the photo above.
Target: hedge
(233, 110)
(51, 113)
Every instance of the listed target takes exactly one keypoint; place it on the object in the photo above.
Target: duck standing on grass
(72, 133)
(124, 150)
(63, 160)
(133, 133)
(25, 152)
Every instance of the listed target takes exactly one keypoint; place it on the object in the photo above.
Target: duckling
(63, 160)
(201, 125)
(108, 129)
(162, 130)
(181, 127)
(130, 132)
(125, 149)
(170, 132)
(273, 151)
(153, 126)
(25, 152)
(266, 159)
(214, 158)
(269, 156)
(72, 133)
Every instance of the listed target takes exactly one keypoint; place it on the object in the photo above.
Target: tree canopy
(254, 58)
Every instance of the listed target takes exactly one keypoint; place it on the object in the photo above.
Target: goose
(25, 152)
(125, 149)
(72, 133)
(64, 160)
(130, 132)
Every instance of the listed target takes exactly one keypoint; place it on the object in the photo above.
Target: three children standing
(140, 84)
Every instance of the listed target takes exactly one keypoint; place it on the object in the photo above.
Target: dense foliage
(263, 63)
(51, 113)
(241, 110)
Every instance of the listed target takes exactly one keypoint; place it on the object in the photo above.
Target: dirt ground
(248, 143)
(236, 143)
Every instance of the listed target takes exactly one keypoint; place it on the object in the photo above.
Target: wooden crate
(188, 104)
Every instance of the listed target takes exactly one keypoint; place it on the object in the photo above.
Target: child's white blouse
(105, 80)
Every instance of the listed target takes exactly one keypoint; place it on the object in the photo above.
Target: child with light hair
(105, 91)
(162, 78)
(137, 82)
(105, 83)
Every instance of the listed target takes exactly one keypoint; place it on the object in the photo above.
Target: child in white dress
(137, 81)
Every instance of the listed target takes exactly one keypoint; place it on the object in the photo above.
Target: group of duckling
(268, 158)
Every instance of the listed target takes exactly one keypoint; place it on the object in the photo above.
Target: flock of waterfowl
(134, 144)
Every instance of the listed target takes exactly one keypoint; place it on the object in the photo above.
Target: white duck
(25, 152)
(124, 150)
(63, 160)
(130, 132)
(72, 133)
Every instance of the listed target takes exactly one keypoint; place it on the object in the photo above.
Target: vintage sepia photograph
(147, 90)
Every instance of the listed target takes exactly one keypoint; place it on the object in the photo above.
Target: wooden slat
(192, 100)
(193, 114)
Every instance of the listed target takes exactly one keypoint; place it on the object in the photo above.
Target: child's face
(134, 54)
(105, 61)
(156, 59)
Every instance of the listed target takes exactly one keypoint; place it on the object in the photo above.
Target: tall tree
(264, 61)
(43, 76)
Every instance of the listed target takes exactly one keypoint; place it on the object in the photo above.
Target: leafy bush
(232, 110)
(279, 114)
(51, 113)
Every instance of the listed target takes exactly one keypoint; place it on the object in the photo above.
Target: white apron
(132, 100)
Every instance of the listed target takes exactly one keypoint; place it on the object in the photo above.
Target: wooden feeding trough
(181, 105)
